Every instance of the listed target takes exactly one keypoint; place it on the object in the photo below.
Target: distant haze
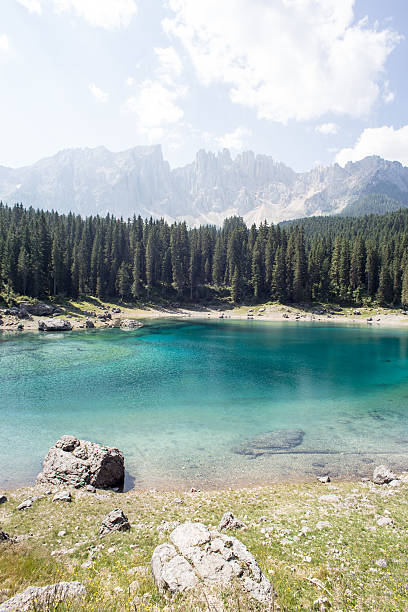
(211, 188)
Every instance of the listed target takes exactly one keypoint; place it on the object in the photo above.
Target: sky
(309, 82)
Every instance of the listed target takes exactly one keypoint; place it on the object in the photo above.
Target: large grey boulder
(201, 558)
(54, 325)
(383, 475)
(35, 598)
(79, 463)
(114, 521)
(39, 310)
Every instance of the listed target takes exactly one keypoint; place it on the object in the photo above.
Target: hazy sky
(306, 81)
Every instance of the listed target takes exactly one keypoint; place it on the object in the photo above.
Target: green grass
(339, 563)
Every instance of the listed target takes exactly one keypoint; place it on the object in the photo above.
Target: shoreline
(370, 317)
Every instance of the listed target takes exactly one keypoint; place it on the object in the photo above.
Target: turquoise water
(177, 396)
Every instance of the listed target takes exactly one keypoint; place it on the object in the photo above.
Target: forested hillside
(346, 260)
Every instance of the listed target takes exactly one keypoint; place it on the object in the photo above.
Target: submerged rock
(79, 463)
(198, 558)
(271, 442)
(130, 324)
(383, 475)
(114, 521)
(54, 325)
(47, 597)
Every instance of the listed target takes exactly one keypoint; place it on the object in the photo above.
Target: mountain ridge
(214, 186)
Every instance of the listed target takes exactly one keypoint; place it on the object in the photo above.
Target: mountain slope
(213, 187)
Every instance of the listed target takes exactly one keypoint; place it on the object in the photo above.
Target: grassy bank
(349, 559)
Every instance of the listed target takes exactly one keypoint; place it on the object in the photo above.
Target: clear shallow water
(178, 396)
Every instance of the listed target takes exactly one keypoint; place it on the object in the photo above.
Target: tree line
(344, 260)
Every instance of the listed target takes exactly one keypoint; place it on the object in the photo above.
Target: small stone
(383, 475)
(324, 479)
(3, 499)
(64, 496)
(62, 533)
(111, 550)
(90, 489)
(178, 501)
(27, 503)
(323, 525)
(321, 604)
(229, 521)
(114, 521)
(4, 536)
(395, 483)
(330, 499)
(384, 521)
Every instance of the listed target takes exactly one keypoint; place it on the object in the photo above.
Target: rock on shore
(54, 325)
(79, 463)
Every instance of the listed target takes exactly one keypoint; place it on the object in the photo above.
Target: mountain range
(211, 188)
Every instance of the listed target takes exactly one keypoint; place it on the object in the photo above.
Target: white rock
(383, 475)
(323, 525)
(50, 595)
(384, 521)
(330, 499)
(27, 503)
(197, 555)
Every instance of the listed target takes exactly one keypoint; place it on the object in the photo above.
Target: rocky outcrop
(383, 475)
(211, 188)
(271, 442)
(79, 463)
(47, 597)
(199, 558)
(114, 521)
(54, 325)
(130, 324)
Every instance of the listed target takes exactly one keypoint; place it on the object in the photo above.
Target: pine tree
(123, 280)
(136, 269)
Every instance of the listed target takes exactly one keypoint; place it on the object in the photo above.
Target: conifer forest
(339, 259)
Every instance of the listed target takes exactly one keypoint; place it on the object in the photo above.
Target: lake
(187, 400)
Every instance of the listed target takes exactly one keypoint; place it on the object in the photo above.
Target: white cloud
(130, 81)
(99, 94)
(4, 44)
(327, 129)
(384, 141)
(287, 59)
(108, 14)
(170, 65)
(155, 104)
(33, 6)
(234, 140)
(388, 95)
